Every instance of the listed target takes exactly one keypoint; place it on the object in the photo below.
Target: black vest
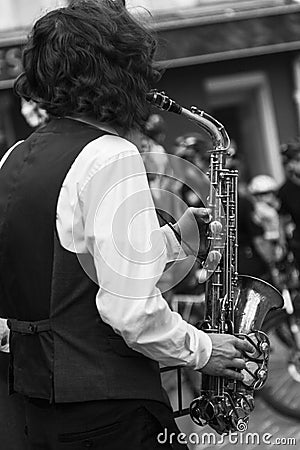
(61, 350)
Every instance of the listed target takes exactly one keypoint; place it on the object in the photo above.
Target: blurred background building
(238, 60)
(16, 19)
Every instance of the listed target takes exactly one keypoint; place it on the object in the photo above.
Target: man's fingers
(237, 353)
(228, 373)
(244, 345)
(237, 363)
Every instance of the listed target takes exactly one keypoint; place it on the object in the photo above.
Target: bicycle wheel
(282, 389)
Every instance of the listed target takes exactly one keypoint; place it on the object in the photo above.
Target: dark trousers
(12, 420)
(104, 424)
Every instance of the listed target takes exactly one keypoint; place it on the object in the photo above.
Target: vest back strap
(23, 327)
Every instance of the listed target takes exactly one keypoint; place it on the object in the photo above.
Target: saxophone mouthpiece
(162, 101)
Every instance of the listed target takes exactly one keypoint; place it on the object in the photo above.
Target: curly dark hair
(90, 58)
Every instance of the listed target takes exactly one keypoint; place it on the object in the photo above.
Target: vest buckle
(32, 328)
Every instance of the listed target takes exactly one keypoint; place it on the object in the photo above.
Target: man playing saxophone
(81, 250)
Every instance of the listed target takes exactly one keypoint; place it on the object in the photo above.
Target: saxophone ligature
(234, 304)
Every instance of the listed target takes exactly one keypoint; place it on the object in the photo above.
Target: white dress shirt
(105, 210)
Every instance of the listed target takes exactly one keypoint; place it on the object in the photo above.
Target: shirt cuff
(200, 346)
(174, 249)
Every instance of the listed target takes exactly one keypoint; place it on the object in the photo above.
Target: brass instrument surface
(234, 304)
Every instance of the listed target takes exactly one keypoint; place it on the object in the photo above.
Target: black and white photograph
(149, 224)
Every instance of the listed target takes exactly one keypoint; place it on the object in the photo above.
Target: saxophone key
(215, 227)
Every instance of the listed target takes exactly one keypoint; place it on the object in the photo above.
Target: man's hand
(226, 356)
(193, 228)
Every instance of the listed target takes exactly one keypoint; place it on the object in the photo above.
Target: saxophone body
(234, 304)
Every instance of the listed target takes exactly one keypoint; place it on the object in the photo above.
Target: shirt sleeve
(4, 336)
(130, 252)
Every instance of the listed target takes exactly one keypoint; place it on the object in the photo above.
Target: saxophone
(234, 304)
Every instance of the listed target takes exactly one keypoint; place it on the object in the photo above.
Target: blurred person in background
(190, 185)
(289, 193)
(86, 339)
(32, 113)
(155, 158)
(250, 260)
(275, 244)
(271, 242)
(155, 128)
(193, 148)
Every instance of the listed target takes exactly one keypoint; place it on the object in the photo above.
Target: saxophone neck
(215, 129)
